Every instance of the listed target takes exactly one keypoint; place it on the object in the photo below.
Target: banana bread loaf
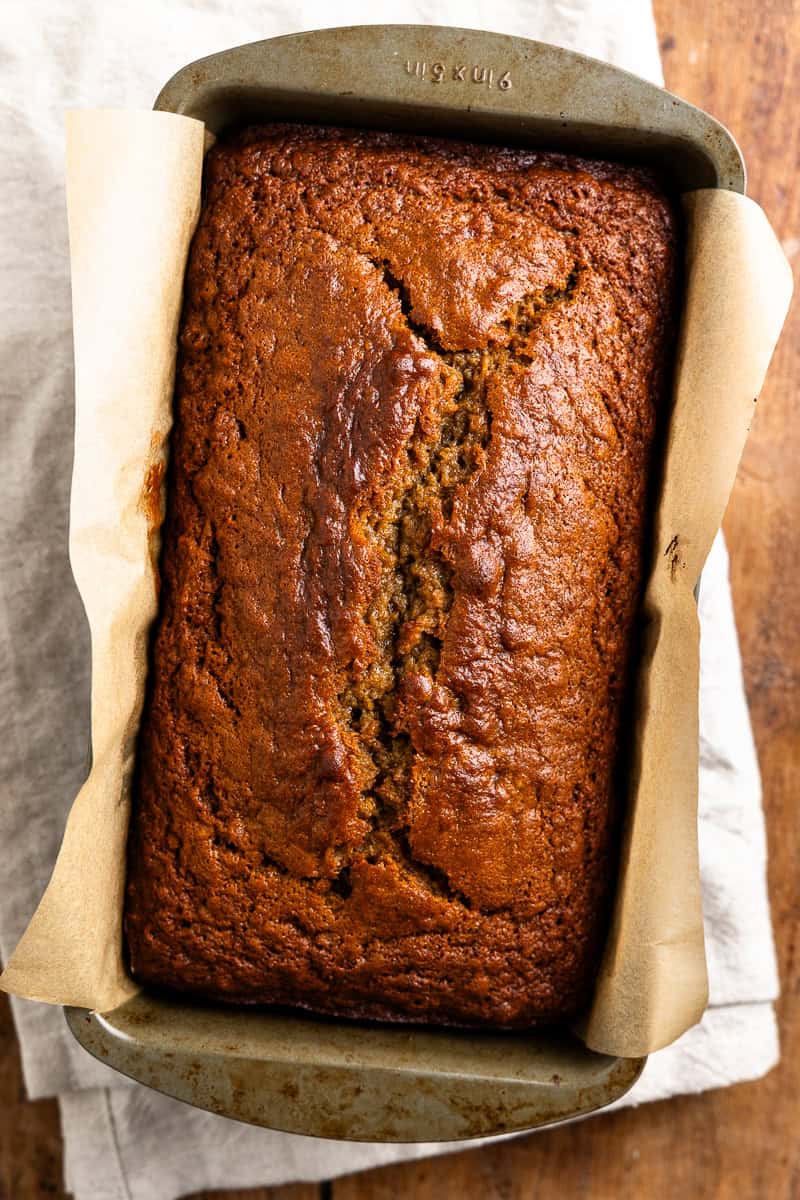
(378, 770)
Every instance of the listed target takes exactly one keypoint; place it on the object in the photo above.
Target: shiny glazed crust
(417, 390)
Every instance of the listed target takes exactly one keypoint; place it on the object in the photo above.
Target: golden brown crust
(417, 390)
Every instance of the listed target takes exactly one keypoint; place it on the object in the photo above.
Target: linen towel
(122, 1140)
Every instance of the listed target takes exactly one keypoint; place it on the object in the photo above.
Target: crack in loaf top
(416, 394)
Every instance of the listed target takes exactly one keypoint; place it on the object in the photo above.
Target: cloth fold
(121, 1140)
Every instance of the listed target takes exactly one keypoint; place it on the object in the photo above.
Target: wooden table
(740, 60)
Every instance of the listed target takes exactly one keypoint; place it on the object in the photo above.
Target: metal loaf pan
(344, 1079)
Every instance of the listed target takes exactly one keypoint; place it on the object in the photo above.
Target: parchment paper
(133, 197)
(133, 188)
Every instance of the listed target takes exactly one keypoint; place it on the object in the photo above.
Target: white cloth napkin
(123, 1142)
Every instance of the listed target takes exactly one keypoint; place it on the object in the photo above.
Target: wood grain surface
(741, 61)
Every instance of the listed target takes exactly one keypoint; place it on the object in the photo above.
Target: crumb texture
(418, 383)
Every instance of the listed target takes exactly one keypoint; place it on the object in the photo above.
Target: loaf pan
(344, 1079)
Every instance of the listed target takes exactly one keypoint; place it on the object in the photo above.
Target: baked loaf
(417, 388)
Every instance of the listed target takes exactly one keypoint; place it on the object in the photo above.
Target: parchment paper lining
(133, 192)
